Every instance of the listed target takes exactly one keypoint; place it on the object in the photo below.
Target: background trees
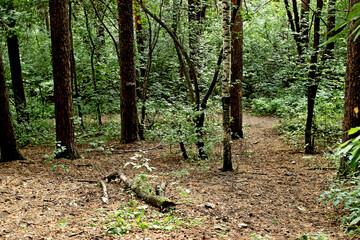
(283, 62)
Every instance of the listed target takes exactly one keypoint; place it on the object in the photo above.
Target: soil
(272, 193)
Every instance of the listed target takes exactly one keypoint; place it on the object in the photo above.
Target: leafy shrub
(346, 194)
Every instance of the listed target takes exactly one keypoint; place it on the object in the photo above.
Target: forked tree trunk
(236, 72)
(352, 86)
(227, 163)
(60, 42)
(8, 145)
(129, 117)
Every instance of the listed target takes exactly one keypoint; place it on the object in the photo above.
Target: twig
(105, 198)
(321, 168)
(86, 180)
(140, 150)
(76, 234)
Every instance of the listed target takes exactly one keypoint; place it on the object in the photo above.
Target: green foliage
(138, 161)
(176, 124)
(59, 149)
(351, 149)
(346, 194)
(63, 166)
(135, 218)
(63, 223)
(314, 236)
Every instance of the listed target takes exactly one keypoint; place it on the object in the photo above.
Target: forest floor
(272, 194)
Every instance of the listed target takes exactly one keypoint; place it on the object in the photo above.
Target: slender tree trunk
(16, 73)
(236, 72)
(60, 41)
(352, 86)
(99, 44)
(73, 70)
(141, 78)
(140, 40)
(330, 25)
(8, 145)
(196, 13)
(129, 117)
(313, 83)
(304, 24)
(94, 50)
(227, 163)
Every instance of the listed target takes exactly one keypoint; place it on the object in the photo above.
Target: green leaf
(346, 149)
(355, 221)
(353, 130)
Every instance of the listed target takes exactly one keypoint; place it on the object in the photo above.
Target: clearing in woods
(272, 194)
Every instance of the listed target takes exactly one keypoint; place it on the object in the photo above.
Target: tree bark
(196, 13)
(352, 86)
(16, 73)
(129, 117)
(313, 84)
(227, 163)
(330, 25)
(73, 70)
(158, 200)
(60, 42)
(8, 145)
(236, 72)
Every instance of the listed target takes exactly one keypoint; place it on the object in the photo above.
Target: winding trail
(272, 194)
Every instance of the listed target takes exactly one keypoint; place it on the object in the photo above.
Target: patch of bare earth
(273, 191)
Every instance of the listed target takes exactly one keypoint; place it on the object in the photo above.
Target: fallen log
(159, 200)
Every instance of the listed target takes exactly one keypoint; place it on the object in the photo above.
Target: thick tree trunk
(352, 86)
(236, 72)
(16, 74)
(227, 163)
(129, 117)
(60, 42)
(8, 145)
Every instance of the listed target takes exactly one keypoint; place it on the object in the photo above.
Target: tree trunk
(313, 83)
(8, 145)
(236, 72)
(227, 163)
(60, 42)
(99, 44)
(73, 71)
(352, 86)
(196, 13)
(16, 73)
(330, 25)
(129, 117)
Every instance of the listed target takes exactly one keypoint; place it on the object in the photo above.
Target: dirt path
(273, 194)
